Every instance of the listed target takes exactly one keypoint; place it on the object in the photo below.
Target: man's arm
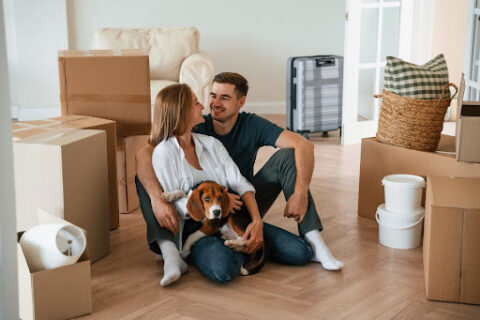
(164, 211)
(304, 162)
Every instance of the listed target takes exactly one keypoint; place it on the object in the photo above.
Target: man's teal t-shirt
(249, 134)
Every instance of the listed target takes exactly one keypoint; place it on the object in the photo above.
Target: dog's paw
(236, 245)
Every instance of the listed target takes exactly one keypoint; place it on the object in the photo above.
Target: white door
(374, 29)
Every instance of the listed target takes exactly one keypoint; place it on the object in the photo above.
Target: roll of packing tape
(52, 245)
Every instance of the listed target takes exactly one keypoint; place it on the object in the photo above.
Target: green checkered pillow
(421, 82)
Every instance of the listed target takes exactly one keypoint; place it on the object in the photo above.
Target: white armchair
(173, 53)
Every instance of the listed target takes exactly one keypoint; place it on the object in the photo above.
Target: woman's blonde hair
(170, 112)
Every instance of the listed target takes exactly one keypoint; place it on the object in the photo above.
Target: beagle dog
(209, 203)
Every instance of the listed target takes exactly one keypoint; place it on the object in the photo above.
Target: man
(289, 170)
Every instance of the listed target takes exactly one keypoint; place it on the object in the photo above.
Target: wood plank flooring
(376, 283)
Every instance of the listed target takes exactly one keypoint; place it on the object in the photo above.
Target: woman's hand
(166, 214)
(254, 237)
(235, 202)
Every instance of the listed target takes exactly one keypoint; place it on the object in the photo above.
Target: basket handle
(448, 85)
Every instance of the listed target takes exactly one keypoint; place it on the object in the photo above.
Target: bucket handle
(377, 217)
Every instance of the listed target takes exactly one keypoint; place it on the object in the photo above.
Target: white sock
(321, 253)
(173, 264)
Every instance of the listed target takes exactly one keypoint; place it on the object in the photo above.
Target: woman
(182, 159)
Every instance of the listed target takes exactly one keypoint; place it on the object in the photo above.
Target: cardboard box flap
(25, 292)
(465, 195)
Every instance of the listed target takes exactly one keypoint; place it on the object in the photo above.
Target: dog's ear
(195, 206)
(225, 203)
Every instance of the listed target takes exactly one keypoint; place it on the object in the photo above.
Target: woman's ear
(225, 202)
(195, 206)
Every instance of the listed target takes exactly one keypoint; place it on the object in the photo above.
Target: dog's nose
(217, 213)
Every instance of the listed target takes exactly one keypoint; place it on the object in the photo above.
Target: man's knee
(285, 155)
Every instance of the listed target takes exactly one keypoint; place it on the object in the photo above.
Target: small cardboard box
(379, 159)
(127, 192)
(451, 245)
(467, 128)
(27, 129)
(60, 293)
(107, 84)
(64, 172)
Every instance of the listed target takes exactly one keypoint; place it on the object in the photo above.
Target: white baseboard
(29, 114)
(14, 112)
(274, 107)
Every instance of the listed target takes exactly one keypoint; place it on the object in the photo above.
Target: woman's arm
(164, 211)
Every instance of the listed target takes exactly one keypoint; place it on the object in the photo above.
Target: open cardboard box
(468, 128)
(59, 293)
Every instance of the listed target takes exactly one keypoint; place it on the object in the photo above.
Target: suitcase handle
(324, 62)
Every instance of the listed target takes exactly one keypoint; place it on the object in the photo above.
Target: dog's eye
(207, 199)
(220, 199)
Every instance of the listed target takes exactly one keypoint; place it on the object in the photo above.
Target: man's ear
(241, 101)
(195, 206)
(225, 202)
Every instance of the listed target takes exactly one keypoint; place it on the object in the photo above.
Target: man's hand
(166, 214)
(235, 203)
(254, 237)
(296, 207)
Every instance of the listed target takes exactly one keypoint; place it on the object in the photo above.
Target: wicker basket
(412, 123)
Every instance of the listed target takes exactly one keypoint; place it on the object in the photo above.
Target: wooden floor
(376, 283)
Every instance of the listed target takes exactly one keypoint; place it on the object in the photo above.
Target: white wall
(8, 249)
(35, 31)
(251, 37)
(449, 29)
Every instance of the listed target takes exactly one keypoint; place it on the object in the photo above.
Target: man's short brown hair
(239, 81)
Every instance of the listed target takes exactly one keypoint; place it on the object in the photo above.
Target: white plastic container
(399, 231)
(403, 192)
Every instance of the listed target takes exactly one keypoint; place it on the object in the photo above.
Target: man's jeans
(218, 262)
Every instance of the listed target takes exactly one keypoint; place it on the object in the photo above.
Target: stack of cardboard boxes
(451, 255)
(81, 167)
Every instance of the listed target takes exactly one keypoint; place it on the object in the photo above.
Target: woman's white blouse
(173, 172)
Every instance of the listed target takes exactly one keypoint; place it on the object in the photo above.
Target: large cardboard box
(127, 192)
(27, 129)
(379, 159)
(64, 172)
(59, 293)
(451, 245)
(467, 128)
(107, 84)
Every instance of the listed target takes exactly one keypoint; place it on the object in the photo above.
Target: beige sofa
(173, 53)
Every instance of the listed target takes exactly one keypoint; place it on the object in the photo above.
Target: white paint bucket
(399, 231)
(403, 192)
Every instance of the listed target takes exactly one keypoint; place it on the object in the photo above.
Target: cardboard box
(451, 254)
(468, 128)
(127, 191)
(379, 159)
(60, 293)
(64, 172)
(107, 84)
(23, 130)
